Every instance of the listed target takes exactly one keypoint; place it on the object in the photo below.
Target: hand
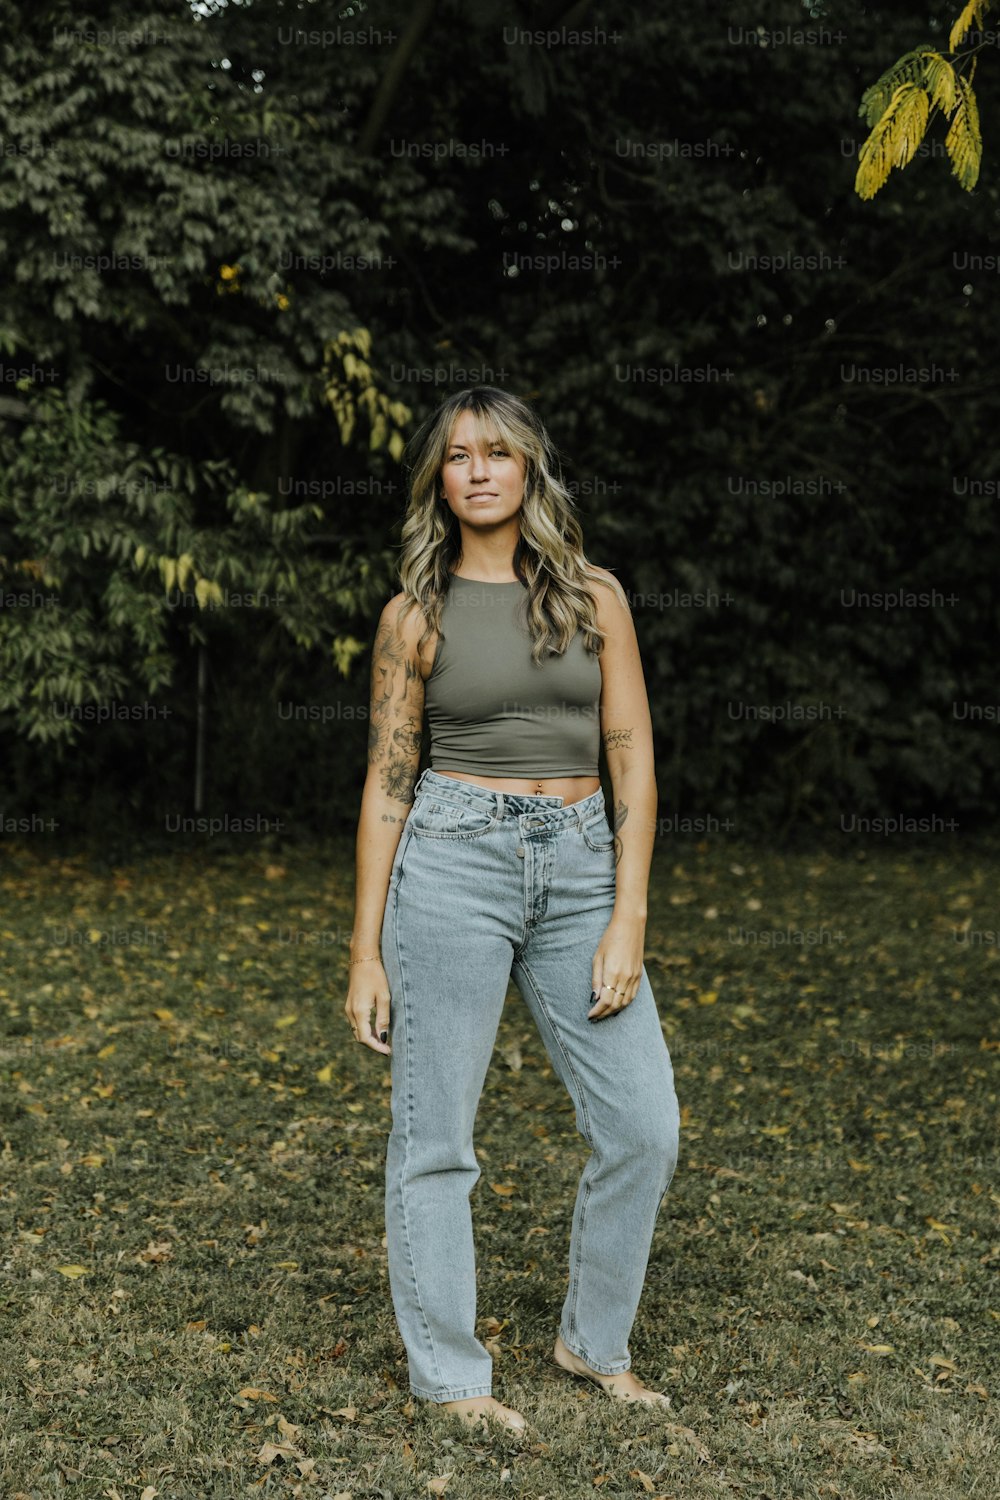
(367, 990)
(617, 967)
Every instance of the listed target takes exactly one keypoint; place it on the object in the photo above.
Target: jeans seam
(406, 1144)
(575, 1277)
(466, 837)
(404, 838)
(454, 1393)
(525, 908)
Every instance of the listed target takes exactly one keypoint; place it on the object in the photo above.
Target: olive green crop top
(491, 710)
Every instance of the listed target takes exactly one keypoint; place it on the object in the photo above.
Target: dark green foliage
(755, 155)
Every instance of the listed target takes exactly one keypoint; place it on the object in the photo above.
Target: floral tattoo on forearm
(395, 752)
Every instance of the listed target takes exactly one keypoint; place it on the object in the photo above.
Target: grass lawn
(194, 1290)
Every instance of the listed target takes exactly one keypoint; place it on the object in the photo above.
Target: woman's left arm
(627, 736)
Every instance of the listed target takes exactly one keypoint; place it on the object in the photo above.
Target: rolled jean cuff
(463, 1394)
(618, 1368)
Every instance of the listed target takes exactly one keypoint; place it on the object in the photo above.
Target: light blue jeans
(484, 885)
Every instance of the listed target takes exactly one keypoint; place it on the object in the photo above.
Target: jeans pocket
(597, 834)
(433, 817)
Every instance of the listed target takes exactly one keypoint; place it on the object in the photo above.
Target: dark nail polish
(382, 1036)
(593, 996)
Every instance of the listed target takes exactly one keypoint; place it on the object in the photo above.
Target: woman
(500, 861)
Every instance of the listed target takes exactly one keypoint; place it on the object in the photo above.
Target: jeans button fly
(520, 851)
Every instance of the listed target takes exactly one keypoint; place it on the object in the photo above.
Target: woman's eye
(494, 453)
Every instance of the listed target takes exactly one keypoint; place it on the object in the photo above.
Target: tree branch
(420, 18)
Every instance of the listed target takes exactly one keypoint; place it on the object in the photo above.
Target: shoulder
(401, 627)
(395, 626)
(402, 614)
(614, 619)
(609, 597)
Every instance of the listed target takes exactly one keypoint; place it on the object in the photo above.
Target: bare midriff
(570, 788)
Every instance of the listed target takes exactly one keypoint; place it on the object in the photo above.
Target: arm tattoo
(407, 737)
(387, 655)
(376, 740)
(621, 813)
(395, 750)
(618, 739)
(398, 777)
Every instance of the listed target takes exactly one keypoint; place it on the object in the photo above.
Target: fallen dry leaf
(512, 1057)
(155, 1252)
(270, 1451)
(691, 1437)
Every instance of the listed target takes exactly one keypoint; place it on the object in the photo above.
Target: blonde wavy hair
(548, 557)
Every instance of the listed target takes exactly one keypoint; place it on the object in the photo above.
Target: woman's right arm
(394, 728)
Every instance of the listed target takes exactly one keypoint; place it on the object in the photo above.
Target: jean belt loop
(499, 796)
(579, 814)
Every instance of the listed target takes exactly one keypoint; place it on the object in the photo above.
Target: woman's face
(483, 484)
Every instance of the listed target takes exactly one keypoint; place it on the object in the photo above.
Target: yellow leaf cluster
(352, 389)
(964, 143)
(345, 648)
(178, 572)
(898, 109)
(973, 15)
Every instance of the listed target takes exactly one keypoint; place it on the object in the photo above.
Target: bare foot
(482, 1410)
(624, 1387)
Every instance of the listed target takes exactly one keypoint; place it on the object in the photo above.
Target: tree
(684, 281)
